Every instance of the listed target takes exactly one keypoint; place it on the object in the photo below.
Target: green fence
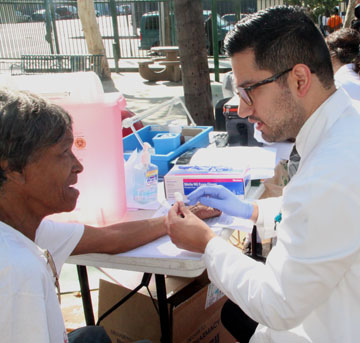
(129, 28)
(53, 27)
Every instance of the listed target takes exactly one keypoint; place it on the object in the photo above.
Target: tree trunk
(193, 58)
(349, 13)
(92, 34)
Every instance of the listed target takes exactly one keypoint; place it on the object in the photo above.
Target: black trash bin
(240, 131)
(219, 115)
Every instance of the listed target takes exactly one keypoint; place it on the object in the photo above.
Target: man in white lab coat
(308, 289)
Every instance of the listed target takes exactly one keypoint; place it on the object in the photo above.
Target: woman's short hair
(28, 124)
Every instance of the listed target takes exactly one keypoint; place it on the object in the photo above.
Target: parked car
(101, 9)
(231, 17)
(40, 15)
(223, 27)
(150, 32)
(67, 12)
(21, 18)
(123, 9)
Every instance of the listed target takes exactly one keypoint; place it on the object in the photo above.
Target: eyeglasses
(243, 92)
(52, 265)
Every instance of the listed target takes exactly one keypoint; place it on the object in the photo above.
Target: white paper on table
(260, 160)
(225, 221)
(164, 248)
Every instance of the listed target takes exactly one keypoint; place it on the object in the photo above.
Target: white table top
(159, 257)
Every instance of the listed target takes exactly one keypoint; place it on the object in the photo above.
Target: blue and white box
(185, 179)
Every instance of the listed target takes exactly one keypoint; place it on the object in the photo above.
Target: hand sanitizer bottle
(145, 178)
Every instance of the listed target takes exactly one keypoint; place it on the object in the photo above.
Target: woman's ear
(14, 176)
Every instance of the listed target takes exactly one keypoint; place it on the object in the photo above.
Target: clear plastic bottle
(145, 178)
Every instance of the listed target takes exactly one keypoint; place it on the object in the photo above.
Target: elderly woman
(38, 173)
(344, 51)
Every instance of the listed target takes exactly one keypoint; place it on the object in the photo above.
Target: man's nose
(244, 110)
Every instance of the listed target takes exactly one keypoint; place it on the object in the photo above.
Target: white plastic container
(145, 178)
(78, 88)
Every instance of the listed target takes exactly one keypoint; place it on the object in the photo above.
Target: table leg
(166, 336)
(85, 295)
(171, 56)
(144, 283)
(253, 242)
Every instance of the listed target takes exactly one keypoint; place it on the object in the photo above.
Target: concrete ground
(140, 95)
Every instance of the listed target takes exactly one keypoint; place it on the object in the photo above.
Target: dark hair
(357, 11)
(355, 24)
(28, 124)
(282, 37)
(344, 45)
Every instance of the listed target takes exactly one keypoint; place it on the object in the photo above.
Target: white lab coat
(349, 80)
(308, 290)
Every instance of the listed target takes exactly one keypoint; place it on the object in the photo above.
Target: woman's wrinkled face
(49, 179)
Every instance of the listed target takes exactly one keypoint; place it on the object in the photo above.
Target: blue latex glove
(221, 198)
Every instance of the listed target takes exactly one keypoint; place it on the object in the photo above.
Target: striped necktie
(293, 162)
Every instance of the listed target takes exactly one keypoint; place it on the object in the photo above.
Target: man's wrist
(209, 236)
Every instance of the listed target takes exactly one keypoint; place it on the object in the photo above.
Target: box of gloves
(185, 179)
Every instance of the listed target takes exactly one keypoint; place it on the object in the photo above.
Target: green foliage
(316, 6)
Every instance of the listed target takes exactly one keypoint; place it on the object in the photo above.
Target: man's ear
(302, 79)
(14, 176)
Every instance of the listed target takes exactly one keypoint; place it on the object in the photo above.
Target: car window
(152, 23)
(221, 21)
(230, 18)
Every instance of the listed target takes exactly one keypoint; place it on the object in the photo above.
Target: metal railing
(60, 63)
(129, 28)
(53, 26)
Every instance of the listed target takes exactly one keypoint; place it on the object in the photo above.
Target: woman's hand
(186, 230)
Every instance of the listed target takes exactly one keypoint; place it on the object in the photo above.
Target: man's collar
(324, 117)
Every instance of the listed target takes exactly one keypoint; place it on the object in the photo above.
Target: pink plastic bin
(98, 145)
(98, 141)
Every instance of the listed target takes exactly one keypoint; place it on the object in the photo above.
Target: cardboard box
(194, 308)
(185, 179)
